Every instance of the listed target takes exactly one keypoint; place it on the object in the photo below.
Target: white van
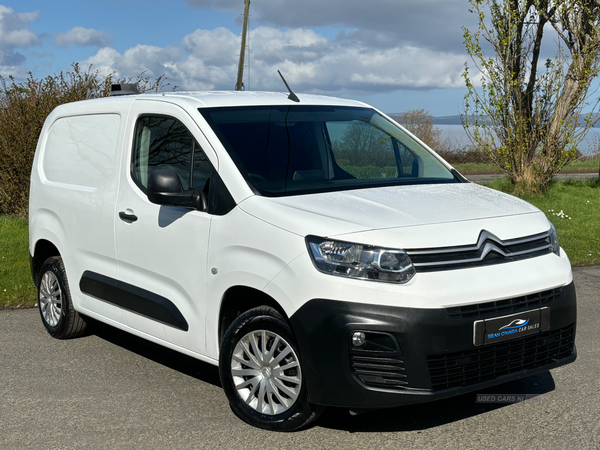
(315, 251)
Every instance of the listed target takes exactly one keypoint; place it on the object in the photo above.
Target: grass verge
(16, 286)
(585, 165)
(572, 205)
(591, 164)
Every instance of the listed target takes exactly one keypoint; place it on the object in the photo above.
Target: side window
(162, 142)
(80, 150)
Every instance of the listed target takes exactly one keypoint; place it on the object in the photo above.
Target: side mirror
(164, 188)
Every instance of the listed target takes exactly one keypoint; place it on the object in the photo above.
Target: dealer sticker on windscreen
(500, 329)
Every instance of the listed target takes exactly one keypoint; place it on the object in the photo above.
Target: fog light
(358, 339)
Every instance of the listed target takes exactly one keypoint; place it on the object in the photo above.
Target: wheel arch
(43, 250)
(239, 299)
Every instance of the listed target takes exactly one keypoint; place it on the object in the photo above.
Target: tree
(420, 123)
(526, 115)
(24, 107)
(363, 145)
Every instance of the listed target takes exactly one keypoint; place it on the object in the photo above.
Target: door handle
(127, 217)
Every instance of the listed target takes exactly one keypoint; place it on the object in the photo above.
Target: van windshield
(290, 150)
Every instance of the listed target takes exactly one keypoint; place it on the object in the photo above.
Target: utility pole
(240, 84)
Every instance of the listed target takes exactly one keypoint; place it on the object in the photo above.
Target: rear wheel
(261, 372)
(54, 302)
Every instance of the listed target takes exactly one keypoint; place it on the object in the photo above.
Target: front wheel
(261, 372)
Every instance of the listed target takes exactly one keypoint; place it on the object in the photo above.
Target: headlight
(554, 240)
(345, 259)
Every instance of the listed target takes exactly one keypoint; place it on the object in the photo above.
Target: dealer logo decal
(517, 323)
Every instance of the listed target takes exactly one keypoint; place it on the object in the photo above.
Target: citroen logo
(487, 236)
(484, 240)
(489, 247)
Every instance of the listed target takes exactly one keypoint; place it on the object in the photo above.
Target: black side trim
(133, 299)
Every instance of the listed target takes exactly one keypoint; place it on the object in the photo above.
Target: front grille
(490, 362)
(487, 251)
(379, 372)
(504, 307)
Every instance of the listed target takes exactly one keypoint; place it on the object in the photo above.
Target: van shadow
(432, 414)
(405, 418)
(161, 355)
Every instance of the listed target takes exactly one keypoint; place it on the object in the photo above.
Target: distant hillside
(447, 120)
(457, 120)
(439, 120)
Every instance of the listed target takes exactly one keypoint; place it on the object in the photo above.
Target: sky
(396, 55)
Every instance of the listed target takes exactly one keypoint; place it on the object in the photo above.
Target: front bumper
(420, 355)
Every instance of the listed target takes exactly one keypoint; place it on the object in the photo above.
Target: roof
(247, 98)
(195, 100)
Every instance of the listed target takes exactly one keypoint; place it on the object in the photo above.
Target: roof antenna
(293, 97)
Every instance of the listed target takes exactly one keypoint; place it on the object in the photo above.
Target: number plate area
(499, 329)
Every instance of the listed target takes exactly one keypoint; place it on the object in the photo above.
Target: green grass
(578, 232)
(573, 206)
(473, 168)
(585, 165)
(16, 286)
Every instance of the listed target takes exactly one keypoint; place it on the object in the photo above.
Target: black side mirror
(164, 188)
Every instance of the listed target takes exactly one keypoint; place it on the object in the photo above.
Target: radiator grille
(504, 307)
(490, 362)
(487, 251)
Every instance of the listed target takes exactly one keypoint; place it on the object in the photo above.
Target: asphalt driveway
(110, 390)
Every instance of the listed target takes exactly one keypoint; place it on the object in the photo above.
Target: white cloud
(84, 37)
(309, 61)
(216, 47)
(153, 61)
(14, 28)
(382, 45)
(15, 33)
(432, 24)
(365, 47)
(12, 63)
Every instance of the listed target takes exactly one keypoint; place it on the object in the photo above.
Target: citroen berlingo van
(314, 250)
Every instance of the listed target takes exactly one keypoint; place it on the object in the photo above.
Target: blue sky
(394, 54)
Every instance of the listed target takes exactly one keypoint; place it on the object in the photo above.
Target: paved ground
(113, 391)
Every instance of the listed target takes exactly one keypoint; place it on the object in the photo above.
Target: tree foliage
(363, 145)
(24, 107)
(526, 115)
(420, 123)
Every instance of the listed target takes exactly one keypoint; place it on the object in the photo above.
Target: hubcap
(50, 299)
(266, 372)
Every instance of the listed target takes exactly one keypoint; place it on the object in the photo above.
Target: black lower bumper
(413, 355)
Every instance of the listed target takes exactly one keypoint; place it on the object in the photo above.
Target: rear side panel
(74, 185)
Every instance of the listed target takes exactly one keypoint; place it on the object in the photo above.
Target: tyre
(54, 302)
(261, 372)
